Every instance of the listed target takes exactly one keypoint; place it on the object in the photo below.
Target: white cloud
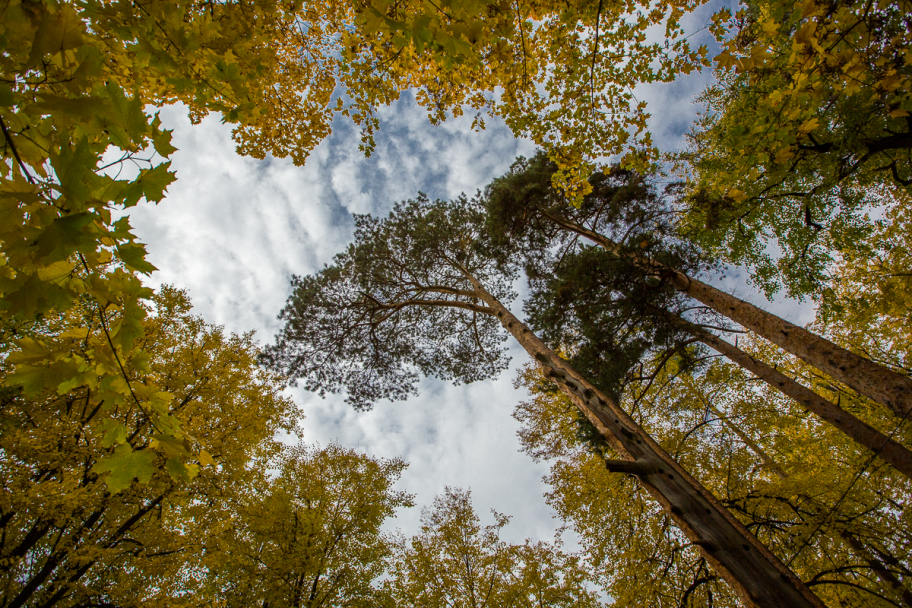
(233, 230)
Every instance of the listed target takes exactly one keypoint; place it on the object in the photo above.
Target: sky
(233, 230)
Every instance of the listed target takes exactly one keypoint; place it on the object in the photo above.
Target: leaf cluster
(806, 130)
(91, 495)
(455, 561)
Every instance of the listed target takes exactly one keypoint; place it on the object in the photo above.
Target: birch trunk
(877, 382)
(859, 431)
(756, 576)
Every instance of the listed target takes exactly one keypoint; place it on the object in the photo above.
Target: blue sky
(233, 230)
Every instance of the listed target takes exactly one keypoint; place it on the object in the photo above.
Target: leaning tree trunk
(755, 574)
(885, 575)
(863, 375)
(859, 431)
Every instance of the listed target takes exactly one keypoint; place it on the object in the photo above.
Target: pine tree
(422, 292)
(524, 206)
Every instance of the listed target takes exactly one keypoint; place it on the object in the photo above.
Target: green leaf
(82, 107)
(126, 114)
(32, 379)
(180, 471)
(134, 256)
(32, 296)
(30, 351)
(57, 32)
(114, 432)
(64, 236)
(162, 144)
(6, 95)
(125, 465)
(152, 184)
(75, 169)
(131, 326)
(171, 446)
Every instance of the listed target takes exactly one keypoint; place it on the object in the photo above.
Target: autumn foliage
(139, 452)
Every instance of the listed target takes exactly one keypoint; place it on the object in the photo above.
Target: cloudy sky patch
(233, 230)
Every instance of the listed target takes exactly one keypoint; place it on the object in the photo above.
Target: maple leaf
(123, 466)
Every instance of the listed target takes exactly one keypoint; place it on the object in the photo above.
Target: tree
(793, 482)
(76, 78)
(608, 333)
(523, 205)
(458, 563)
(311, 536)
(867, 307)
(91, 497)
(559, 74)
(411, 295)
(807, 125)
(610, 314)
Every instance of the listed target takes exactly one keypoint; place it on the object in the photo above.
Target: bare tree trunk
(877, 382)
(859, 431)
(754, 573)
(886, 576)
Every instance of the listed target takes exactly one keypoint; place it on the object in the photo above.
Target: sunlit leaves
(310, 536)
(538, 65)
(807, 127)
(97, 465)
(738, 437)
(78, 148)
(455, 561)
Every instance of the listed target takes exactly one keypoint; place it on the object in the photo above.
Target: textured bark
(883, 573)
(754, 573)
(859, 431)
(877, 382)
(868, 378)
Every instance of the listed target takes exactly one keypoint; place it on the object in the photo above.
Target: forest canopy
(705, 451)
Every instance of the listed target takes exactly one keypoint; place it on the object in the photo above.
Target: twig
(12, 146)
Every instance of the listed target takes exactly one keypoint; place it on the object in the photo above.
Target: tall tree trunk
(756, 576)
(877, 382)
(885, 575)
(859, 431)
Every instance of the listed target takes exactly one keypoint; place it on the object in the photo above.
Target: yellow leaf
(78, 333)
(770, 27)
(891, 82)
(803, 35)
(738, 195)
(55, 271)
(808, 8)
(725, 60)
(783, 154)
(161, 402)
(809, 125)
(206, 459)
